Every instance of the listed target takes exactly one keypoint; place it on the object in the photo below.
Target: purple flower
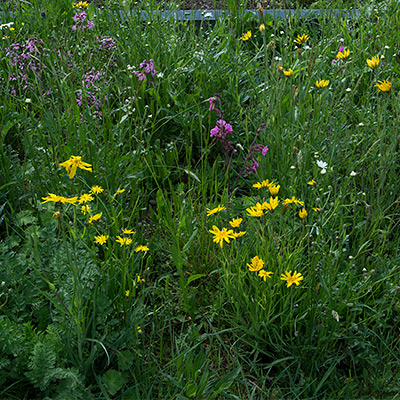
(264, 150)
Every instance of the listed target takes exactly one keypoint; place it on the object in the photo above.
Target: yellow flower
(81, 4)
(246, 36)
(85, 197)
(235, 223)
(316, 209)
(127, 293)
(141, 248)
(293, 200)
(343, 55)
(321, 83)
(56, 215)
(215, 210)
(97, 189)
(288, 73)
(128, 231)
(373, 62)
(220, 236)
(256, 264)
(71, 200)
(119, 191)
(255, 211)
(303, 213)
(262, 28)
(383, 86)
(139, 329)
(51, 197)
(12, 29)
(123, 241)
(101, 239)
(290, 279)
(263, 184)
(139, 279)
(95, 217)
(265, 274)
(312, 183)
(273, 203)
(302, 39)
(86, 210)
(237, 235)
(73, 163)
(274, 190)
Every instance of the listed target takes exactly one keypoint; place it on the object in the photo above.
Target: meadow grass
(198, 210)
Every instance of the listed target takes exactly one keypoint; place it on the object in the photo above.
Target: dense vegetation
(198, 210)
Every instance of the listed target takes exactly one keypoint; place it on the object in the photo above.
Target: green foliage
(121, 292)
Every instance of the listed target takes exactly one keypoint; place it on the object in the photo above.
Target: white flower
(387, 47)
(382, 57)
(292, 167)
(208, 15)
(281, 32)
(323, 171)
(335, 315)
(360, 124)
(160, 75)
(322, 164)
(353, 173)
(348, 90)
(28, 100)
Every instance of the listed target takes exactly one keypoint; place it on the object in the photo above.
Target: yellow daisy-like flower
(262, 28)
(127, 293)
(273, 203)
(343, 55)
(246, 36)
(95, 217)
(293, 200)
(301, 39)
(128, 231)
(96, 189)
(274, 190)
(255, 211)
(257, 263)
(123, 241)
(73, 164)
(383, 86)
(85, 198)
(69, 200)
(51, 197)
(321, 83)
(119, 191)
(220, 236)
(288, 72)
(303, 213)
(141, 248)
(86, 210)
(81, 4)
(101, 239)
(237, 235)
(215, 210)
(265, 274)
(373, 62)
(235, 223)
(292, 279)
(263, 184)
(312, 183)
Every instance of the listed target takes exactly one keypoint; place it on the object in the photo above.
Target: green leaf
(113, 380)
(194, 277)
